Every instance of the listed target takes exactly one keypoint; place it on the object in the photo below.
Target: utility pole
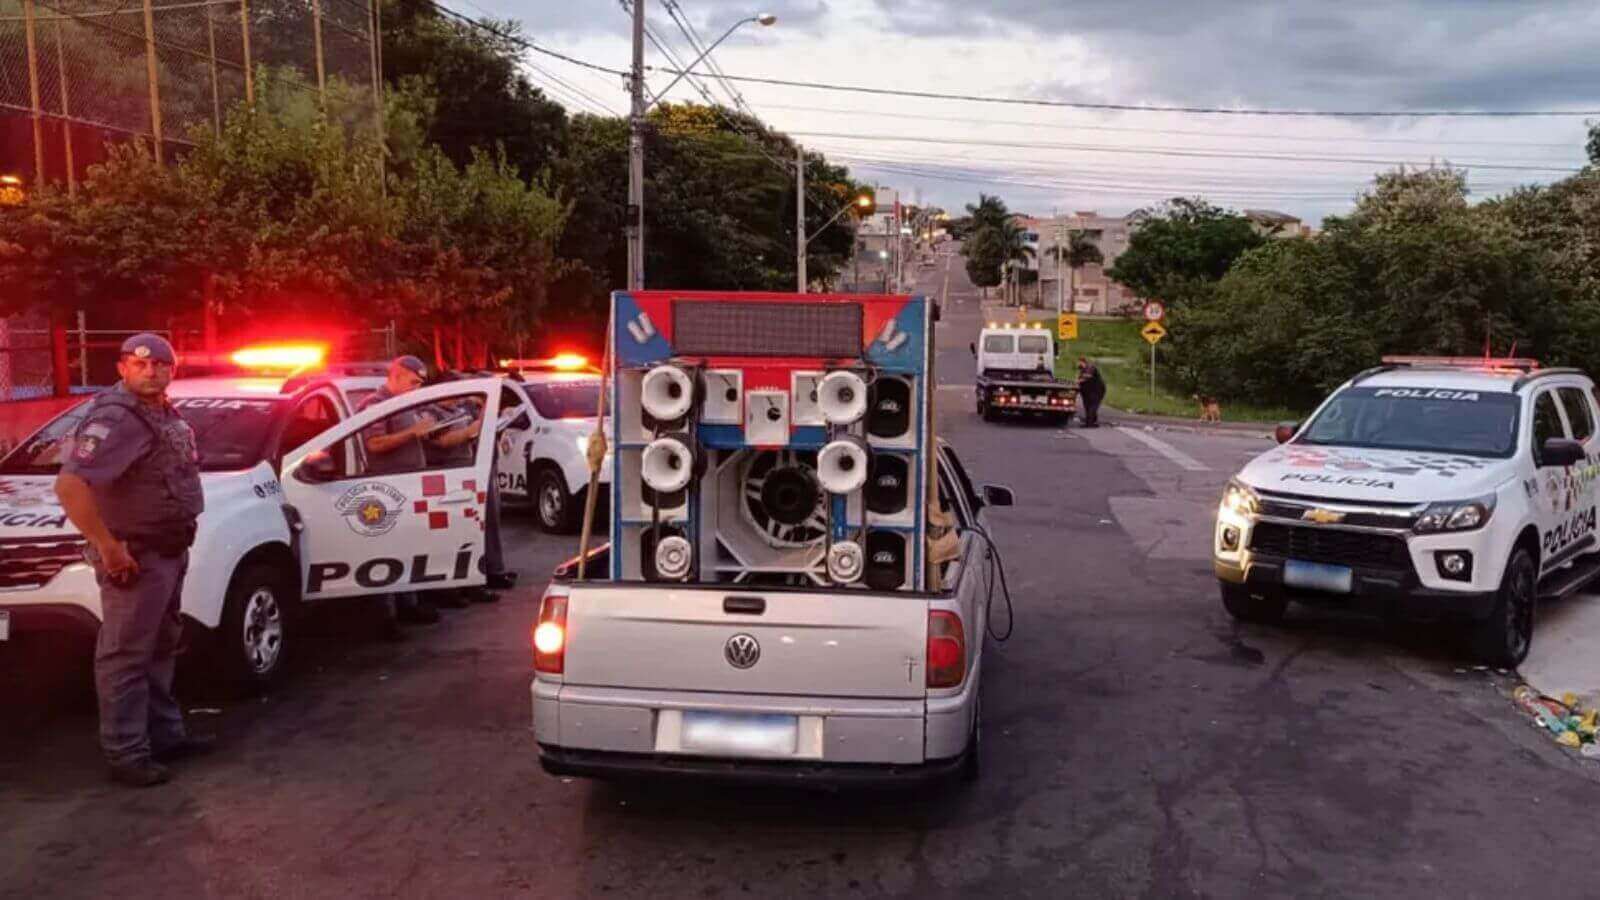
(800, 213)
(635, 226)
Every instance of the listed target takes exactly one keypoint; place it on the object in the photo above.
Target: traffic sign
(1153, 332)
(1067, 327)
(1154, 311)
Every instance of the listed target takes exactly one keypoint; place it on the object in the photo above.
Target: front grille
(32, 562)
(1401, 516)
(1330, 545)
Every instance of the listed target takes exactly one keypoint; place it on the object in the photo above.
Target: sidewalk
(1110, 415)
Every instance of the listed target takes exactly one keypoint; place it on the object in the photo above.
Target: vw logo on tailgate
(741, 651)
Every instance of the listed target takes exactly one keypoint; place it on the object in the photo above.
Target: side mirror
(997, 495)
(1285, 431)
(974, 349)
(1560, 452)
(317, 468)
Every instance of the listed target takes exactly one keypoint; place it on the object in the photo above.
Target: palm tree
(1080, 250)
(990, 212)
(1014, 247)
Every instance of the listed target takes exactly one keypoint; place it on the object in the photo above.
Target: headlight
(1238, 498)
(1461, 515)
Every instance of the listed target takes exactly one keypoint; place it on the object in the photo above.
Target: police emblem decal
(371, 508)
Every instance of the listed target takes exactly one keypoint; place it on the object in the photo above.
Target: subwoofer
(886, 560)
(889, 408)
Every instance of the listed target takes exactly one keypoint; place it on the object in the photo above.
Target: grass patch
(1124, 360)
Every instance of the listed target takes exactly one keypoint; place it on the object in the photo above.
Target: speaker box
(889, 409)
(887, 560)
(723, 400)
(843, 465)
(805, 411)
(766, 422)
(667, 393)
(888, 490)
(842, 397)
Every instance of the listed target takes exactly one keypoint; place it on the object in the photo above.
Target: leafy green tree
(1593, 147)
(988, 212)
(1184, 239)
(986, 256)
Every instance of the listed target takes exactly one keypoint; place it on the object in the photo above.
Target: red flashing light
(569, 362)
(1518, 363)
(280, 357)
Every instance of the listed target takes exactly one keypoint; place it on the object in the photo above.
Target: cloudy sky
(1351, 55)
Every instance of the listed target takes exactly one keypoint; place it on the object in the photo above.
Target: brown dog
(1210, 410)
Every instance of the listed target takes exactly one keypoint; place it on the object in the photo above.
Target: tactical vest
(158, 498)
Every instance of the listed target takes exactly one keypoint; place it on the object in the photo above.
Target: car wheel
(553, 505)
(988, 412)
(1504, 638)
(253, 641)
(1247, 607)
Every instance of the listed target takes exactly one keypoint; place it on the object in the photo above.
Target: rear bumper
(820, 775)
(1380, 592)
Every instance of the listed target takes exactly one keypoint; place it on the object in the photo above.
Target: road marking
(1184, 460)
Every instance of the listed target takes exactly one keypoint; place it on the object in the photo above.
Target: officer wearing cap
(131, 485)
(395, 444)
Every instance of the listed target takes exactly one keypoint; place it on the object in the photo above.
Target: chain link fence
(76, 73)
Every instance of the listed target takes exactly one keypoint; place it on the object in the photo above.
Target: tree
(1080, 250)
(988, 212)
(985, 253)
(1593, 147)
(481, 98)
(1014, 248)
(1179, 241)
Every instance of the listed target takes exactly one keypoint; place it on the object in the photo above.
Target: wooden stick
(597, 453)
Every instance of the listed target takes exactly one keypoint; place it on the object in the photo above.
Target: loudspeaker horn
(843, 464)
(845, 562)
(667, 393)
(842, 397)
(674, 557)
(667, 464)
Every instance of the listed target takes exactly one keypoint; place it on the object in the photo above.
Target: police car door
(517, 419)
(371, 525)
(1580, 415)
(1555, 504)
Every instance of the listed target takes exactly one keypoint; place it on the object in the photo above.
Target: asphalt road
(1137, 743)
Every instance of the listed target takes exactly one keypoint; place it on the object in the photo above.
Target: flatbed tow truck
(1016, 374)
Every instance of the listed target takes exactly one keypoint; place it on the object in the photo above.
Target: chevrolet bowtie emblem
(1322, 516)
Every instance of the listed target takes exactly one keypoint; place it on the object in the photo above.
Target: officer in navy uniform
(131, 485)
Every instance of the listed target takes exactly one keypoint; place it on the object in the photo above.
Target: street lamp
(762, 19)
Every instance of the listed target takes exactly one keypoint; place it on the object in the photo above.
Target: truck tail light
(550, 635)
(947, 649)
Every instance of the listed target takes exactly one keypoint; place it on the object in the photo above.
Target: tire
(252, 643)
(554, 507)
(1246, 607)
(988, 413)
(1504, 638)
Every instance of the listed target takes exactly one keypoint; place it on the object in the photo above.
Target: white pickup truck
(799, 685)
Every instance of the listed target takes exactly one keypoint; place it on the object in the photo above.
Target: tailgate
(825, 644)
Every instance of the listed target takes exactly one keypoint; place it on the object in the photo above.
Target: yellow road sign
(1067, 327)
(1153, 332)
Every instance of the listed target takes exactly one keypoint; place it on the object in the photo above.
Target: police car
(1423, 488)
(543, 448)
(293, 516)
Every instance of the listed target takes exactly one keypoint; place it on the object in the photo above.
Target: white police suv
(293, 515)
(1424, 488)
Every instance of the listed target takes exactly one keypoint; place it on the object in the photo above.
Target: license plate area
(1298, 573)
(739, 734)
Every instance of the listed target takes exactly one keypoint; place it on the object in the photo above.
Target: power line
(1060, 126)
(1174, 152)
(518, 39)
(1129, 107)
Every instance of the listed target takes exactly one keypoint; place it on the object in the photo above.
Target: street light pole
(800, 214)
(764, 19)
(635, 215)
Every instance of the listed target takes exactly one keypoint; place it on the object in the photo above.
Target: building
(1274, 224)
(1092, 291)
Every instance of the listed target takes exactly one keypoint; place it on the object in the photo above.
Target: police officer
(395, 444)
(131, 486)
(1092, 390)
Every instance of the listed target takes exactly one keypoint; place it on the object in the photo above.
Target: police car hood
(29, 509)
(1385, 476)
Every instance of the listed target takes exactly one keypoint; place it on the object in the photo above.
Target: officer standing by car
(131, 486)
(395, 444)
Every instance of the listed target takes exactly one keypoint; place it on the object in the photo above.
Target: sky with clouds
(1352, 55)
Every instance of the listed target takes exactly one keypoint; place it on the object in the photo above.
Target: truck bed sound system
(769, 439)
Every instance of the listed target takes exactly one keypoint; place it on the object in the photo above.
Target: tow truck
(293, 515)
(1016, 374)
